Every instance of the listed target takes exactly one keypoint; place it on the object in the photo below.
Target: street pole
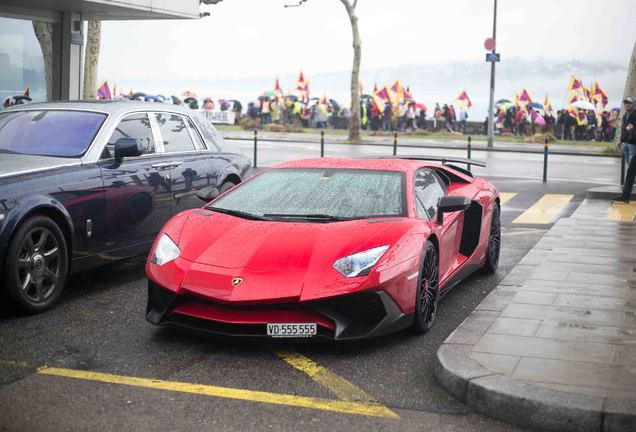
(491, 126)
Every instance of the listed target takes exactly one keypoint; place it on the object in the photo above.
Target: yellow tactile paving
(623, 212)
(544, 210)
(504, 197)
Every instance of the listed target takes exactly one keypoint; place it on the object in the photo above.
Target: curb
(496, 395)
(607, 192)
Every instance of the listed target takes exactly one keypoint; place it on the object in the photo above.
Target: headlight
(165, 251)
(361, 263)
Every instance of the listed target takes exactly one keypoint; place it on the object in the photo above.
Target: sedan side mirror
(207, 194)
(127, 147)
(449, 204)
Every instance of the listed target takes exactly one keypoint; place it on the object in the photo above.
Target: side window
(132, 126)
(208, 133)
(198, 141)
(428, 191)
(174, 132)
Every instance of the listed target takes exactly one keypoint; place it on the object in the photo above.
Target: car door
(137, 190)
(428, 190)
(192, 166)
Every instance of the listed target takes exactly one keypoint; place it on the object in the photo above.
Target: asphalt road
(99, 326)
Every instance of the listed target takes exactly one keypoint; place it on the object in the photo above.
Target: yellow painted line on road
(544, 210)
(504, 197)
(360, 408)
(623, 212)
(326, 378)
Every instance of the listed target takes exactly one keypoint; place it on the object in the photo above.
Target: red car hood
(275, 259)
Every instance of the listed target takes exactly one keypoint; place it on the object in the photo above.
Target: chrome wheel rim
(494, 242)
(429, 286)
(39, 265)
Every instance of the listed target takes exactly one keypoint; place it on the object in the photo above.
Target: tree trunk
(91, 59)
(630, 90)
(44, 34)
(354, 125)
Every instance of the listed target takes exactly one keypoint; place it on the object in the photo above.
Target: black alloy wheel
(427, 291)
(37, 264)
(494, 242)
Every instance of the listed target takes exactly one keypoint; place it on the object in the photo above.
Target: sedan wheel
(427, 291)
(36, 265)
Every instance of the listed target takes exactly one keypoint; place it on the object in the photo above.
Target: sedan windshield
(318, 195)
(48, 133)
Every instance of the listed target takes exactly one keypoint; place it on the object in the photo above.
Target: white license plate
(282, 330)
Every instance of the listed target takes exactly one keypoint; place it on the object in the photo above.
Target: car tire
(36, 265)
(494, 242)
(226, 186)
(428, 290)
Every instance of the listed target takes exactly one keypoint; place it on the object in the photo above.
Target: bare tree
(630, 90)
(44, 34)
(91, 59)
(354, 125)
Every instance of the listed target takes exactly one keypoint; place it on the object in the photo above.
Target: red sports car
(335, 248)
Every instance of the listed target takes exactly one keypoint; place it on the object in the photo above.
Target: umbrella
(138, 95)
(160, 98)
(21, 99)
(150, 98)
(189, 100)
(502, 101)
(334, 104)
(582, 104)
(292, 97)
(504, 105)
(535, 105)
(421, 106)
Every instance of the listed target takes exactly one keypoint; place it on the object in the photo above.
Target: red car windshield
(316, 194)
(58, 133)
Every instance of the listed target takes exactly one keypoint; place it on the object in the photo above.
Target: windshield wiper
(237, 213)
(309, 217)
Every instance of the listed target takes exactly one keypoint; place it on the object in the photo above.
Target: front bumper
(349, 317)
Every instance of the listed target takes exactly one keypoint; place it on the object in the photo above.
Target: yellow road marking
(619, 211)
(326, 378)
(504, 197)
(544, 210)
(361, 408)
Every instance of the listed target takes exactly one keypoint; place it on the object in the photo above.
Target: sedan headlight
(361, 263)
(165, 251)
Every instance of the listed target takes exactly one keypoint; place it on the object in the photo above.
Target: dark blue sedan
(86, 183)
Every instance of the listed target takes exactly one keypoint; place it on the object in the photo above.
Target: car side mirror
(449, 204)
(127, 147)
(208, 193)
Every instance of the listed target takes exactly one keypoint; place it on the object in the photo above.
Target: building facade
(42, 41)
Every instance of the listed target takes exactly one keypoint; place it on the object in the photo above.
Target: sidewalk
(553, 347)
(419, 141)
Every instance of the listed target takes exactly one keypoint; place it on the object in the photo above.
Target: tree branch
(300, 2)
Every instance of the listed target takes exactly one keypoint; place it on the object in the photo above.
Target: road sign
(493, 57)
(489, 44)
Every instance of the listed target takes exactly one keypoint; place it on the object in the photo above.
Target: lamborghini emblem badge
(237, 281)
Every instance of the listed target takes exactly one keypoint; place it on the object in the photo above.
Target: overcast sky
(248, 38)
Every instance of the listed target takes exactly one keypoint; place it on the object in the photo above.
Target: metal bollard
(470, 139)
(322, 143)
(394, 143)
(545, 160)
(622, 168)
(255, 145)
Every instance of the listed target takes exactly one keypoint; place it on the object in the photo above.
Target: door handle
(175, 164)
(160, 166)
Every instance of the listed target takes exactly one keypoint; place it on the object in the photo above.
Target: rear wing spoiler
(449, 161)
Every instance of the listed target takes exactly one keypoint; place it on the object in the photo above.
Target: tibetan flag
(323, 104)
(524, 97)
(27, 92)
(573, 99)
(598, 95)
(301, 82)
(547, 106)
(575, 84)
(464, 100)
(581, 118)
(407, 94)
(398, 92)
(383, 94)
(103, 92)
